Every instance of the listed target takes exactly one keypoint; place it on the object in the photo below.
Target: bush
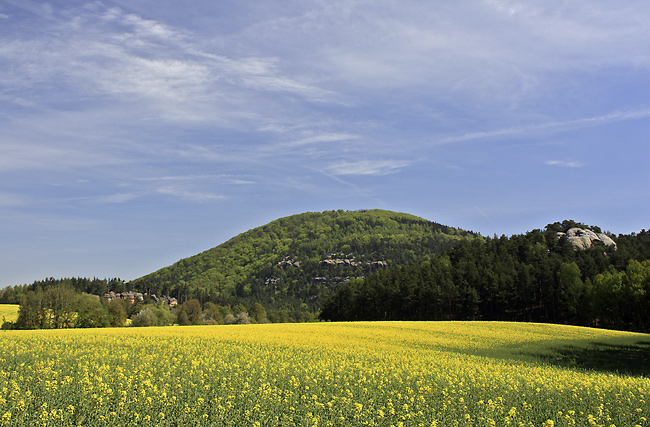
(164, 316)
(145, 317)
(241, 319)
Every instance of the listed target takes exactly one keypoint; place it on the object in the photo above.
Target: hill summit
(297, 259)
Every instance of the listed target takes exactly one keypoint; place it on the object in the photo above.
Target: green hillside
(299, 258)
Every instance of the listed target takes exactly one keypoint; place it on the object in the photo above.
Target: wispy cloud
(564, 163)
(366, 167)
(184, 193)
(222, 178)
(324, 138)
(118, 198)
(11, 200)
(124, 57)
(549, 127)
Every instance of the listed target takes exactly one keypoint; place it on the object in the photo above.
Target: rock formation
(584, 239)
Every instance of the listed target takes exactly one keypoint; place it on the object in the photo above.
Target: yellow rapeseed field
(324, 374)
(8, 312)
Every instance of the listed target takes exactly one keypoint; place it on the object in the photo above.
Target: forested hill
(297, 259)
(540, 276)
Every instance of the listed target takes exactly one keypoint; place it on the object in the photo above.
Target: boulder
(584, 239)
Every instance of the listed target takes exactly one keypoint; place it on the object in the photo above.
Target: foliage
(93, 286)
(258, 313)
(117, 313)
(12, 294)
(60, 307)
(326, 374)
(213, 314)
(144, 318)
(532, 277)
(241, 319)
(190, 313)
(150, 315)
(90, 312)
(280, 265)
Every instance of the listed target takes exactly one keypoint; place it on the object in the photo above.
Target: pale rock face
(583, 239)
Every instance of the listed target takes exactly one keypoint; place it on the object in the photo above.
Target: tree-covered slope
(540, 276)
(297, 259)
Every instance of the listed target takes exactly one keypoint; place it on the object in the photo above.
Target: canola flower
(8, 312)
(326, 374)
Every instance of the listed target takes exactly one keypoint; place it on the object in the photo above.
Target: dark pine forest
(534, 277)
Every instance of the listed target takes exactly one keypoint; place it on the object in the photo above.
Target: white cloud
(228, 178)
(184, 193)
(564, 163)
(118, 198)
(128, 59)
(496, 52)
(366, 167)
(318, 139)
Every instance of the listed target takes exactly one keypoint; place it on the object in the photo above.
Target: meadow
(325, 374)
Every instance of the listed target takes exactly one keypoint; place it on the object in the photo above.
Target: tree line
(94, 286)
(64, 303)
(534, 277)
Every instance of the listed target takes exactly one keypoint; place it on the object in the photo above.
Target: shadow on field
(623, 359)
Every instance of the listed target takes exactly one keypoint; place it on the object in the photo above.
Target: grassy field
(340, 374)
(9, 312)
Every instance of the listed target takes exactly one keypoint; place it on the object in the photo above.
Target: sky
(136, 133)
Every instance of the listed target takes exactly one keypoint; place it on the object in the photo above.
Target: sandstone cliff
(584, 239)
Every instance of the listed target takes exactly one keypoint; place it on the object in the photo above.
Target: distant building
(137, 297)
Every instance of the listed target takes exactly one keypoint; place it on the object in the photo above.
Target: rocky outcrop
(288, 262)
(584, 239)
(350, 260)
(132, 296)
(139, 297)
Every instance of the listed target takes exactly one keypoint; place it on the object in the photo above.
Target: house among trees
(132, 296)
(170, 301)
(137, 297)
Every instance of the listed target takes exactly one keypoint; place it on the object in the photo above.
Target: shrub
(145, 317)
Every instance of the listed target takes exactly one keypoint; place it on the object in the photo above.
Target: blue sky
(135, 133)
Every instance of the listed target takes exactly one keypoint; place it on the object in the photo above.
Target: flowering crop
(327, 374)
(8, 312)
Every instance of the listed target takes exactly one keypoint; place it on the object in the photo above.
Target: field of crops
(8, 312)
(325, 374)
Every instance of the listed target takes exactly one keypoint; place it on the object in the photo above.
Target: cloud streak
(367, 167)
(564, 163)
(549, 127)
(186, 194)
